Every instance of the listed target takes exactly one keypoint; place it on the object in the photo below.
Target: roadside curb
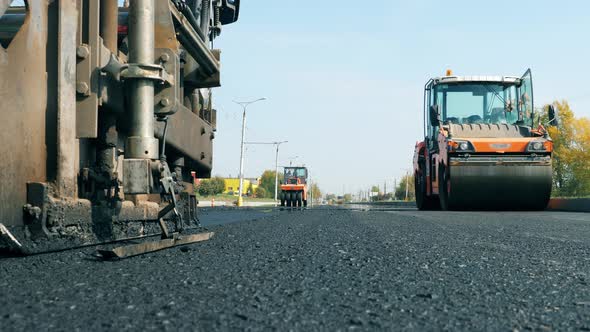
(569, 204)
(555, 204)
(401, 204)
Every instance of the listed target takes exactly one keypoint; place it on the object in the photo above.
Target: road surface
(322, 269)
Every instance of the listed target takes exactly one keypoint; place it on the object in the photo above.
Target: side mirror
(435, 118)
(552, 112)
(230, 11)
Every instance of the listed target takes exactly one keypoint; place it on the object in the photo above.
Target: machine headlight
(537, 146)
(461, 146)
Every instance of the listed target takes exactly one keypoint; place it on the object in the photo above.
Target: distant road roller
(481, 148)
(294, 187)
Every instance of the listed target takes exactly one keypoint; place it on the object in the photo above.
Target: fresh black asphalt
(322, 269)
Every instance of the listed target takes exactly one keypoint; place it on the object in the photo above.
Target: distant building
(232, 185)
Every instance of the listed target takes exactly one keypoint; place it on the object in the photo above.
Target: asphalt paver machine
(107, 114)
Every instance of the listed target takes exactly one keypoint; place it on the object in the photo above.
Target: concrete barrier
(396, 204)
(555, 204)
(569, 204)
(215, 204)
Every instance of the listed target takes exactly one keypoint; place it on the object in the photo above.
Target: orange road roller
(482, 148)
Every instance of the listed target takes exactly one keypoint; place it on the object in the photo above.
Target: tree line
(266, 187)
(571, 151)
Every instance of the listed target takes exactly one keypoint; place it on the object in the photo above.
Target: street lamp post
(310, 189)
(405, 177)
(407, 184)
(277, 144)
(292, 159)
(244, 105)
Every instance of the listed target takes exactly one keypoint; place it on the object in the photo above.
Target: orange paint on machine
(482, 148)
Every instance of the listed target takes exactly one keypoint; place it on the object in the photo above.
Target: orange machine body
(294, 189)
(481, 150)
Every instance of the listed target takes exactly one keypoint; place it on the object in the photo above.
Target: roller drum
(510, 183)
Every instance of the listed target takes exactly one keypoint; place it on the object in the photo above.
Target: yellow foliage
(571, 156)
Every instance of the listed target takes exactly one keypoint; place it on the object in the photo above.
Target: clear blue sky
(345, 80)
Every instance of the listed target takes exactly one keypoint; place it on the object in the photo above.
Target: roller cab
(481, 148)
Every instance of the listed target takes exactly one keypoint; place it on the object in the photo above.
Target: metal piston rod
(141, 143)
(142, 149)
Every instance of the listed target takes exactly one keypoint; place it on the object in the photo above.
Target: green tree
(218, 185)
(316, 193)
(211, 187)
(375, 192)
(261, 192)
(571, 151)
(267, 181)
(205, 188)
(347, 198)
(250, 190)
(400, 191)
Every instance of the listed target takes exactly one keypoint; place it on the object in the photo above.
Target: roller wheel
(305, 203)
(423, 201)
(282, 198)
(444, 187)
(288, 198)
(420, 187)
(299, 199)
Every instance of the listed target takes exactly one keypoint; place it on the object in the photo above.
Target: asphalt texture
(322, 269)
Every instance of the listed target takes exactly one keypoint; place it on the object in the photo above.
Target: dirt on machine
(483, 148)
(108, 120)
(294, 189)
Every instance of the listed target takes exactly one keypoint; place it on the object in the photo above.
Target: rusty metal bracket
(145, 71)
(113, 67)
(35, 211)
(167, 95)
(169, 208)
(152, 246)
(9, 240)
(87, 78)
(168, 191)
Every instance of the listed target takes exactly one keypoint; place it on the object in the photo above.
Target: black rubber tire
(288, 199)
(420, 187)
(299, 199)
(424, 202)
(282, 198)
(443, 188)
(305, 203)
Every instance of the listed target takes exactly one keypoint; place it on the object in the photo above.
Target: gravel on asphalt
(322, 269)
